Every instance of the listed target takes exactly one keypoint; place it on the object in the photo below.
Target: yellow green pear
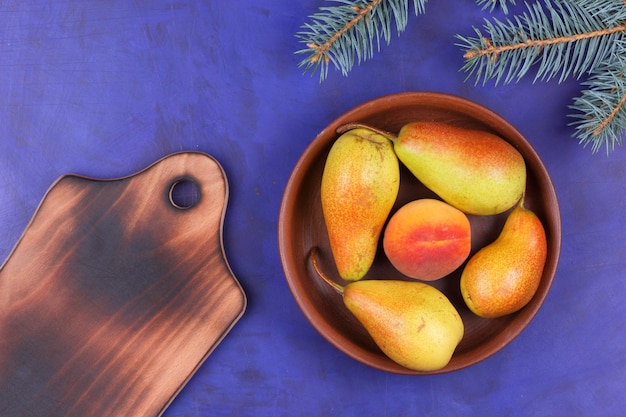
(472, 170)
(412, 322)
(360, 183)
(503, 277)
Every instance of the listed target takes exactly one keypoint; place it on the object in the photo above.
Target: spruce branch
(601, 109)
(566, 37)
(558, 38)
(350, 32)
(570, 38)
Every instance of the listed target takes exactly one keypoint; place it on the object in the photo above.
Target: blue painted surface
(105, 88)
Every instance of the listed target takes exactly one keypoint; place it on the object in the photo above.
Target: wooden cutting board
(116, 292)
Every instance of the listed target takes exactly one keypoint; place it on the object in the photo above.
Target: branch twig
(494, 51)
(321, 51)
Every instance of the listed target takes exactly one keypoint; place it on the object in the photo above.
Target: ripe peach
(427, 239)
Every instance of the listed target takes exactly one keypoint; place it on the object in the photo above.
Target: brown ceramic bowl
(301, 227)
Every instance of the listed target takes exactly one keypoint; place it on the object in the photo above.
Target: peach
(427, 239)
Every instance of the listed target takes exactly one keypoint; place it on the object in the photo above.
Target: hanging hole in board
(184, 194)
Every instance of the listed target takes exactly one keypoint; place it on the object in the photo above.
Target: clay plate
(301, 227)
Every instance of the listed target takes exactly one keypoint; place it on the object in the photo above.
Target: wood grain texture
(113, 296)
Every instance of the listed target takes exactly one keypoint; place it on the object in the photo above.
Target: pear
(412, 322)
(360, 183)
(473, 170)
(503, 276)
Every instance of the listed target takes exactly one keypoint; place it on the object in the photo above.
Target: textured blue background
(104, 88)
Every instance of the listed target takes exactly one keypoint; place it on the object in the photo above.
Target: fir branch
(569, 37)
(562, 38)
(348, 33)
(602, 107)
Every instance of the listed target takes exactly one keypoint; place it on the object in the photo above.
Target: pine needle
(491, 4)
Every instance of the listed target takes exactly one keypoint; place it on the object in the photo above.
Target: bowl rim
(447, 101)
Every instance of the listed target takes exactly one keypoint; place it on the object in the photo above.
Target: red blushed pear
(503, 277)
(359, 186)
(473, 170)
(427, 239)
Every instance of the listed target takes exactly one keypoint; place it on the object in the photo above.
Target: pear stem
(313, 255)
(357, 125)
(521, 200)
